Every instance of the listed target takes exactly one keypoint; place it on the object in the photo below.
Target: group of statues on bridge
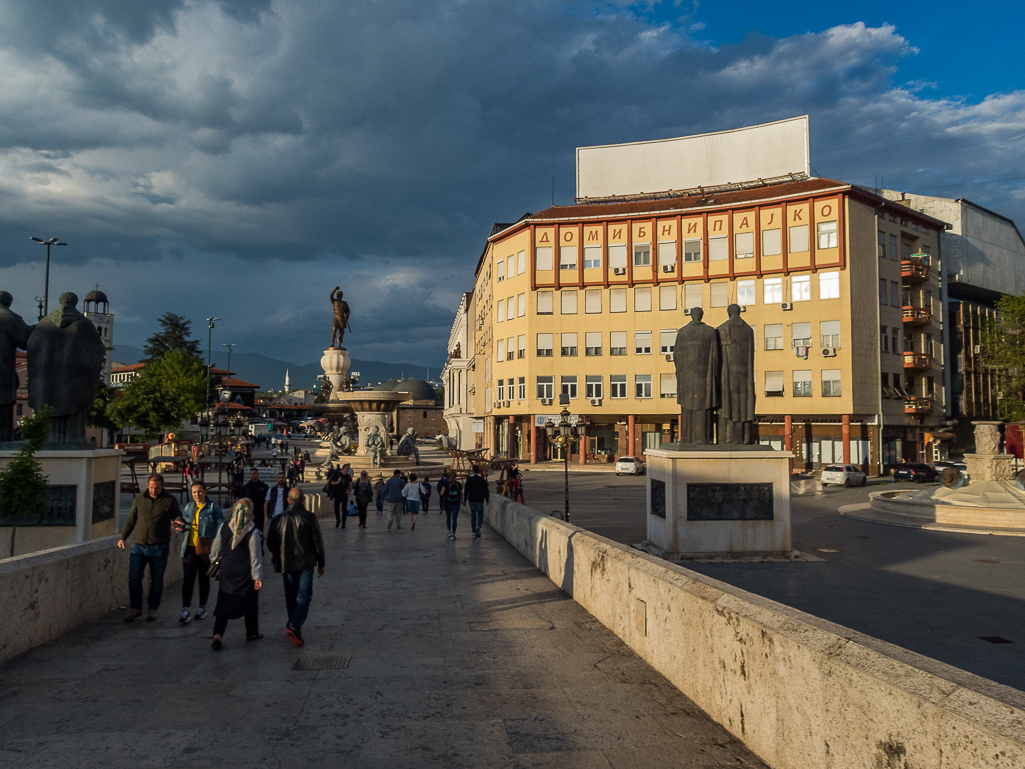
(340, 442)
(65, 358)
(715, 384)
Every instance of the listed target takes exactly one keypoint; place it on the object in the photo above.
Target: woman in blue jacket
(200, 521)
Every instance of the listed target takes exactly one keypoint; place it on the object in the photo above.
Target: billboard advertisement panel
(726, 157)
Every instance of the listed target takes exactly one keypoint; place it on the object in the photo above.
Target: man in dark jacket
(256, 491)
(296, 546)
(150, 521)
(476, 494)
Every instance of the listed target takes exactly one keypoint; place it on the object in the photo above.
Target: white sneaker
(184, 617)
(449, 535)
(200, 613)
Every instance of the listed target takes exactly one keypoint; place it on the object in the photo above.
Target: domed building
(421, 410)
(96, 308)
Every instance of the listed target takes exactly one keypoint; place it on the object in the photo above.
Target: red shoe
(293, 633)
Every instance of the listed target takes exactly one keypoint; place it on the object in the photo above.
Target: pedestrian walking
(256, 492)
(395, 499)
(201, 520)
(451, 501)
(476, 494)
(425, 495)
(149, 521)
(238, 551)
(297, 547)
(338, 485)
(442, 487)
(379, 494)
(276, 500)
(411, 491)
(363, 491)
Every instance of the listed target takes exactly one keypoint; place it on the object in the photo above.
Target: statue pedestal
(335, 363)
(85, 494)
(719, 501)
(990, 467)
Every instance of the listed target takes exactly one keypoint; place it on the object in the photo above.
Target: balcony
(914, 271)
(916, 316)
(916, 360)
(918, 405)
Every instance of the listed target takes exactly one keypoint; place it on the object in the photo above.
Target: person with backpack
(442, 485)
(476, 495)
(425, 495)
(451, 500)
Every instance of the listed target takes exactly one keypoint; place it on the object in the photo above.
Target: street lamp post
(46, 284)
(567, 435)
(209, 360)
(229, 346)
(39, 301)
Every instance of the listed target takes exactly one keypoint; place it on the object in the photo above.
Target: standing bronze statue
(696, 356)
(14, 333)
(737, 412)
(340, 323)
(65, 355)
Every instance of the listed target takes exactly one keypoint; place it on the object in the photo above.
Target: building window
(521, 305)
(487, 398)
(773, 336)
(772, 244)
(894, 340)
(831, 383)
(801, 335)
(905, 249)
(745, 293)
(544, 345)
(500, 314)
(642, 342)
(798, 239)
(545, 302)
(521, 345)
(667, 385)
(501, 389)
(510, 309)
(501, 351)
(592, 257)
(884, 339)
(546, 387)
(592, 300)
(569, 345)
(718, 249)
(827, 234)
(802, 384)
(829, 285)
(642, 386)
(667, 297)
(521, 388)
(568, 258)
(569, 386)
(617, 343)
(692, 296)
(617, 258)
(882, 291)
(800, 288)
(20, 411)
(882, 244)
(510, 348)
(718, 294)
(642, 254)
(543, 257)
(773, 383)
(500, 271)
(509, 267)
(692, 251)
(642, 299)
(667, 255)
(772, 290)
(617, 386)
(666, 340)
(593, 386)
(617, 300)
(568, 302)
(895, 299)
(521, 262)
(592, 343)
(829, 331)
(744, 245)
(892, 250)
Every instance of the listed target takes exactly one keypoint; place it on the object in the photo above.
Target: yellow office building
(841, 287)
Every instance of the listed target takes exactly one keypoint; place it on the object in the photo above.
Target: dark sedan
(918, 472)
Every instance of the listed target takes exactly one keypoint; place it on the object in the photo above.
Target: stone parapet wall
(799, 691)
(46, 594)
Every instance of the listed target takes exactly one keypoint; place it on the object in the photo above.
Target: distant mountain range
(269, 373)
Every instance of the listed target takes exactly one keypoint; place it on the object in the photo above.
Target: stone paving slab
(463, 655)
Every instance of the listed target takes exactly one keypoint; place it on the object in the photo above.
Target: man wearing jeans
(476, 492)
(150, 520)
(394, 501)
(296, 546)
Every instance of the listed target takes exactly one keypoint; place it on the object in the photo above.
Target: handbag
(203, 545)
(214, 572)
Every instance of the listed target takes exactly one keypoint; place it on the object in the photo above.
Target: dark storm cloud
(378, 141)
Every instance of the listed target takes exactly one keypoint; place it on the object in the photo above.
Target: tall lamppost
(39, 301)
(567, 434)
(209, 360)
(229, 346)
(46, 284)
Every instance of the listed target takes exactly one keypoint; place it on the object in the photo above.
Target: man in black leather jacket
(256, 491)
(296, 546)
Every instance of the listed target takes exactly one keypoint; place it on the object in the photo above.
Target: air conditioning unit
(505, 404)
(496, 405)
(595, 401)
(668, 268)
(546, 401)
(619, 270)
(686, 310)
(829, 352)
(978, 349)
(669, 358)
(787, 306)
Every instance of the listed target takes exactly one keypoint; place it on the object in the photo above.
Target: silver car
(842, 475)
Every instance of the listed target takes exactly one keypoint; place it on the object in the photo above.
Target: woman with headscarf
(238, 550)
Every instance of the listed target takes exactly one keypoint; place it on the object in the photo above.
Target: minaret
(97, 309)
(287, 388)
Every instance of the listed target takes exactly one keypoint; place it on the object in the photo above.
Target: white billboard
(726, 157)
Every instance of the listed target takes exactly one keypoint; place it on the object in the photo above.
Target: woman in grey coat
(238, 547)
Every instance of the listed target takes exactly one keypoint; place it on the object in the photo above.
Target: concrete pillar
(630, 434)
(846, 439)
(533, 439)
(583, 443)
(788, 437)
(513, 451)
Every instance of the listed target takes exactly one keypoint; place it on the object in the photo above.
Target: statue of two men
(715, 372)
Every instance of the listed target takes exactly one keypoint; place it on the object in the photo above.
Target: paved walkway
(462, 655)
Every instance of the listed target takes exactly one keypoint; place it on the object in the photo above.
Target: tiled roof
(125, 369)
(239, 383)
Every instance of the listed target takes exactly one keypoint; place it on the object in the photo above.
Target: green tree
(1004, 350)
(22, 483)
(176, 335)
(165, 393)
(97, 415)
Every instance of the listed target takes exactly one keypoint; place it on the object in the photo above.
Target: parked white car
(842, 475)
(630, 466)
